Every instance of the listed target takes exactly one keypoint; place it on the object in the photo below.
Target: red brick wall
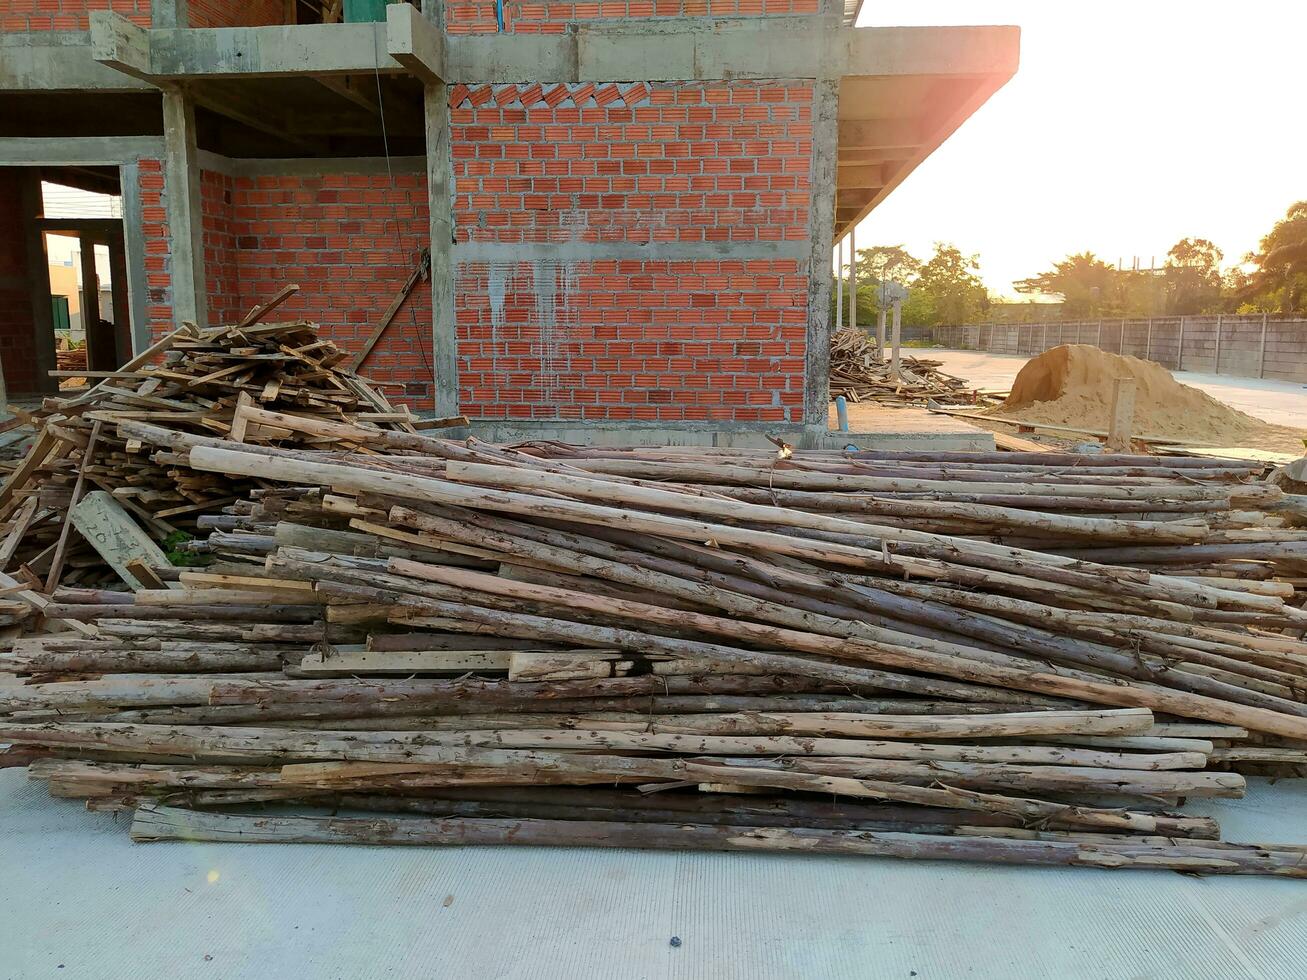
(65, 15)
(350, 241)
(633, 340)
(542, 335)
(236, 13)
(17, 325)
(222, 276)
(656, 340)
(544, 17)
(158, 249)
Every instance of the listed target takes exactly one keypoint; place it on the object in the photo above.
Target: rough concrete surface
(80, 900)
(1279, 402)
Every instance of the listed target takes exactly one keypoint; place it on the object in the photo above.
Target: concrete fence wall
(1256, 346)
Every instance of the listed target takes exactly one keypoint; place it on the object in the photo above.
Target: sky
(1129, 126)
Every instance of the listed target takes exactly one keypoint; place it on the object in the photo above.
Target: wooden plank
(1123, 414)
(57, 563)
(1015, 444)
(103, 522)
(1163, 440)
(259, 312)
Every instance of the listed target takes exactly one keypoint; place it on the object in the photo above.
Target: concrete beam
(120, 43)
(871, 175)
(233, 103)
(880, 134)
(940, 129)
(182, 196)
(676, 50)
(20, 151)
(416, 43)
(684, 51)
(322, 49)
(894, 155)
(933, 50)
(49, 61)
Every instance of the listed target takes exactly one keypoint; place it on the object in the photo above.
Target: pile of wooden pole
(860, 372)
(982, 656)
(81, 472)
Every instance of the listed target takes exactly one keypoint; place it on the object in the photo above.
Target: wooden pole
(1123, 413)
(153, 823)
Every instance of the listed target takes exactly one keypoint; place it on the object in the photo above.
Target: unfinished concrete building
(630, 206)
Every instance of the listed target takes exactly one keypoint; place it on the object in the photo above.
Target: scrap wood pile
(859, 372)
(70, 358)
(1024, 659)
(83, 461)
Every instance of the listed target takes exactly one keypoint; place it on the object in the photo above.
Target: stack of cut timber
(980, 657)
(71, 359)
(84, 466)
(859, 372)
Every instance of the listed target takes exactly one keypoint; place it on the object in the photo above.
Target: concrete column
(821, 232)
(434, 11)
(839, 283)
(443, 268)
(134, 257)
(169, 13)
(182, 194)
(99, 343)
(122, 317)
(38, 277)
(896, 338)
(853, 277)
(880, 326)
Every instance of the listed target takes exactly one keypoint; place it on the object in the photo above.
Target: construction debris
(1018, 658)
(860, 373)
(202, 381)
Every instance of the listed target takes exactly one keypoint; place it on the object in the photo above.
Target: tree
(944, 290)
(1193, 277)
(1278, 282)
(1087, 285)
(886, 263)
(947, 289)
(880, 263)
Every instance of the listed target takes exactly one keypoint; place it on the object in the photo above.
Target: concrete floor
(78, 899)
(1278, 402)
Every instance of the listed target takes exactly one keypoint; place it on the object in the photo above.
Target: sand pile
(1072, 385)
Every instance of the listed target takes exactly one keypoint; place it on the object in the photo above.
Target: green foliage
(1193, 277)
(1278, 281)
(944, 289)
(947, 289)
(182, 559)
(1087, 285)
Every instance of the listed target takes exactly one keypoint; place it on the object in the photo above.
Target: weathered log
(153, 823)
